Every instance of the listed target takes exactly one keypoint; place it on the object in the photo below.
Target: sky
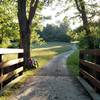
(57, 7)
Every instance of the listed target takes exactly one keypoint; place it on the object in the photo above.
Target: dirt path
(54, 82)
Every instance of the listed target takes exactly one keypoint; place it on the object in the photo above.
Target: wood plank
(93, 80)
(10, 74)
(0, 57)
(10, 63)
(90, 65)
(94, 52)
(12, 68)
(8, 51)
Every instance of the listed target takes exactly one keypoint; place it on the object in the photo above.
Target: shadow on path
(53, 82)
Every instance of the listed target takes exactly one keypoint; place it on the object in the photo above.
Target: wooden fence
(11, 69)
(90, 67)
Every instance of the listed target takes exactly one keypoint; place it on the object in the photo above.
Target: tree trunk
(1, 40)
(25, 44)
(24, 31)
(88, 37)
(25, 25)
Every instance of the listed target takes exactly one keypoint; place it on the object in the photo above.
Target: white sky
(52, 11)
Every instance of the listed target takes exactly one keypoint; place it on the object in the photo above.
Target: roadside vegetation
(12, 31)
(43, 55)
(73, 63)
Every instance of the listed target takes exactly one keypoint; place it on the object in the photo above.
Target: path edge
(89, 89)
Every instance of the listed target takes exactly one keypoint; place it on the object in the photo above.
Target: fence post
(98, 60)
(20, 55)
(81, 56)
(98, 74)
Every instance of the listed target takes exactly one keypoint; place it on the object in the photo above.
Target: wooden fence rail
(12, 68)
(90, 67)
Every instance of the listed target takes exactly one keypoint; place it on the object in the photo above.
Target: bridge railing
(90, 67)
(11, 69)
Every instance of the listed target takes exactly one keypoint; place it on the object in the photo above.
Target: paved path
(54, 82)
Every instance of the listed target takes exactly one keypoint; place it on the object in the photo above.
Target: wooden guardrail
(90, 68)
(11, 69)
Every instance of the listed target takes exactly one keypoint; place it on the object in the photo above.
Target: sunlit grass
(48, 44)
(43, 55)
(9, 57)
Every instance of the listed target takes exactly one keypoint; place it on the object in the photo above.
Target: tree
(94, 27)
(25, 27)
(87, 11)
(52, 33)
(8, 28)
(80, 4)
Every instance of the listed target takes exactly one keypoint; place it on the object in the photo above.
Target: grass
(43, 55)
(48, 44)
(14, 87)
(73, 63)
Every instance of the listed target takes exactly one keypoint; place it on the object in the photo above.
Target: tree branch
(74, 17)
(77, 5)
(33, 7)
(95, 5)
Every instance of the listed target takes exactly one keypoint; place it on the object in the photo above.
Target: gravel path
(54, 82)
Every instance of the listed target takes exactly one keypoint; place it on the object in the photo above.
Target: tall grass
(73, 63)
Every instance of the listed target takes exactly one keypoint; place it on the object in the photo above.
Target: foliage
(73, 62)
(55, 33)
(8, 27)
(81, 36)
(36, 39)
(85, 11)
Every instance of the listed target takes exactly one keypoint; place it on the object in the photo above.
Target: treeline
(79, 35)
(52, 33)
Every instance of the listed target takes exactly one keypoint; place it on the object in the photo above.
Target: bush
(13, 45)
(6, 43)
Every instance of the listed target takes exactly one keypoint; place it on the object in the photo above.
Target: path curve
(54, 82)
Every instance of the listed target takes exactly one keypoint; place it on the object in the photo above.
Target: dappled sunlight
(10, 62)
(28, 91)
(44, 53)
(44, 33)
(36, 88)
(10, 74)
(49, 50)
(46, 48)
(9, 57)
(43, 56)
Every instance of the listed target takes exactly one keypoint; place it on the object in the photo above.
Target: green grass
(73, 63)
(43, 55)
(48, 44)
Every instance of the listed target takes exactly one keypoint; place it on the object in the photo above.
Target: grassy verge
(43, 55)
(16, 85)
(73, 63)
